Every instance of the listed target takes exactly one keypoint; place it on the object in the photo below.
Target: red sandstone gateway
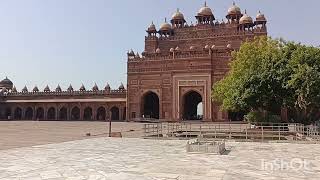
(181, 62)
(168, 81)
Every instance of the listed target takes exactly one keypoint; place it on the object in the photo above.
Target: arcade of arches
(73, 112)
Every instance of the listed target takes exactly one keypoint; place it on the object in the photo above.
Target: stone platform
(140, 159)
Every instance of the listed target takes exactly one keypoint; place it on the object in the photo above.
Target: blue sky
(85, 41)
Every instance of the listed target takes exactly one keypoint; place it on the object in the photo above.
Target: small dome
(165, 26)
(25, 89)
(205, 11)
(95, 87)
(213, 46)
(6, 83)
(192, 48)
(58, 89)
(82, 88)
(46, 89)
(14, 89)
(70, 88)
(229, 46)
(246, 19)
(206, 47)
(152, 28)
(171, 49)
(234, 10)
(177, 48)
(121, 87)
(35, 89)
(260, 17)
(178, 15)
(158, 50)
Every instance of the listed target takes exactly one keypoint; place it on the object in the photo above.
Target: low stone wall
(205, 146)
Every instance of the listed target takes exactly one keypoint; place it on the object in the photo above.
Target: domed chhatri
(177, 15)
(35, 89)
(6, 83)
(70, 88)
(121, 87)
(58, 89)
(25, 89)
(165, 26)
(152, 28)
(178, 20)
(82, 88)
(205, 15)
(46, 89)
(246, 20)
(234, 12)
(205, 10)
(260, 19)
(95, 87)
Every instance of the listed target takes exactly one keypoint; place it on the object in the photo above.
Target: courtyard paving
(141, 159)
(15, 134)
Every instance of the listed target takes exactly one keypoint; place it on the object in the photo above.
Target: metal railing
(242, 131)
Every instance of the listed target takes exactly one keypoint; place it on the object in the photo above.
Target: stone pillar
(23, 116)
(34, 113)
(45, 116)
(68, 112)
(94, 113)
(57, 112)
(81, 112)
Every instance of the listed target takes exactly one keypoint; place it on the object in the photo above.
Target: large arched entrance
(63, 114)
(51, 113)
(17, 113)
(87, 113)
(40, 113)
(150, 105)
(75, 114)
(101, 114)
(115, 114)
(192, 106)
(29, 113)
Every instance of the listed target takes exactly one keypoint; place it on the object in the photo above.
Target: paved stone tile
(135, 159)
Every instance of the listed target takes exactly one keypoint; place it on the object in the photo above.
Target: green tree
(258, 78)
(305, 80)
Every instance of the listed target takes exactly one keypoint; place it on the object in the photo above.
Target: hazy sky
(85, 41)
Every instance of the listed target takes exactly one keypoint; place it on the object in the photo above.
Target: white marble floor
(140, 159)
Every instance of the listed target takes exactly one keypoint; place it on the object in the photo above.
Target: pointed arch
(101, 114)
(75, 113)
(29, 113)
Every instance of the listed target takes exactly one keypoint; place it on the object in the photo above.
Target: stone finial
(58, 89)
(82, 88)
(70, 88)
(46, 89)
(35, 89)
(107, 88)
(25, 89)
(95, 87)
(121, 87)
